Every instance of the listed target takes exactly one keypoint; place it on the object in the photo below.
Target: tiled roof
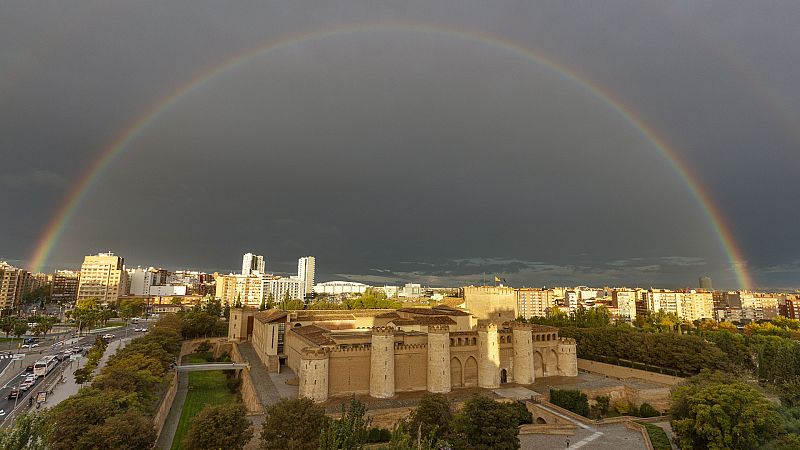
(271, 315)
(314, 334)
(425, 320)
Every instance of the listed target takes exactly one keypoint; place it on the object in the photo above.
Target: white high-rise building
(306, 266)
(252, 263)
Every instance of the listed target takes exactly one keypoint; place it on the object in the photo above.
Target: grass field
(205, 388)
(657, 436)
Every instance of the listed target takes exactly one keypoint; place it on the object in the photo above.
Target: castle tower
(489, 356)
(567, 357)
(313, 377)
(523, 353)
(439, 359)
(381, 373)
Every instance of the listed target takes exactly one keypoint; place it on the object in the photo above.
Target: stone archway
(455, 373)
(503, 376)
(471, 372)
(538, 365)
(541, 421)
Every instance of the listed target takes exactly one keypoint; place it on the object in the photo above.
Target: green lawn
(657, 436)
(10, 339)
(204, 388)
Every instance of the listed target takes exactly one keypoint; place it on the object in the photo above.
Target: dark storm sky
(397, 155)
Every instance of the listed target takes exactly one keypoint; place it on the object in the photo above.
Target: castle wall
(381, 374)
(349, 372)
(314, 375)
(411, 368)
(567, 358)
(488, 356)
(439, 359)
(496, 303)
(523, 354)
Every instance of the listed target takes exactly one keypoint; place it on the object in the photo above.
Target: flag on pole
(497, 279)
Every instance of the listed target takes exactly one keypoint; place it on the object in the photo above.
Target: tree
(293, 424)
(7, 324)
(571, 400)
(270, 301)
(226, 312)
(349, 432)
(431, 419)
(30, 432)
(74, 417)
(486, 424)
(709, 414)
(263, 305)
(131, 307)
(20, 328)
(130, 430)
(219, 426)
(213, 307)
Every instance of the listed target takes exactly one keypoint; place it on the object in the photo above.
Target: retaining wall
(611, 370)
(166, 404)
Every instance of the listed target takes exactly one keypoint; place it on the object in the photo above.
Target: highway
(17, 369)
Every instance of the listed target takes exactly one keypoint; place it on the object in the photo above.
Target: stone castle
(384, 352)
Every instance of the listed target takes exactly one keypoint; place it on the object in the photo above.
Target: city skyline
(414, 144)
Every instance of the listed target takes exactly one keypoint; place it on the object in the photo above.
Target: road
(13, 371)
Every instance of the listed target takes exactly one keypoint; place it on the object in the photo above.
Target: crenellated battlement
(410, 346)
(315, 352)
(438, 329)
(519, 326)
(383, 330)
(351, 348)
(487, 327)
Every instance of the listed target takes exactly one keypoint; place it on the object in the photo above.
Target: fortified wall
(384, 361)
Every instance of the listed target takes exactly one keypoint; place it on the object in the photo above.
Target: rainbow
(55, 228)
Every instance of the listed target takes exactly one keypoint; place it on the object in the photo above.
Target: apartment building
(102, 277)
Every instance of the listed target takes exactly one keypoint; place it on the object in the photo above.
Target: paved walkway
(605, 437)
(262, 380)
(174, 417)
(61, 391)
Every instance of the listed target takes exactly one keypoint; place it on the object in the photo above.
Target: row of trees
(370, 299)
(683, 353)
(300, 424)
(116, 410)
(19, 325)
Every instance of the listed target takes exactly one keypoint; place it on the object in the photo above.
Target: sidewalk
(69, 387)
(164, 441)
(262, 380)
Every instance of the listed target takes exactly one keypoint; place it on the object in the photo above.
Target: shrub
(203, 347)
(647, 410)
(602, 404)
(622, 406)
(571, 400)
(524, 416)
(376, 435)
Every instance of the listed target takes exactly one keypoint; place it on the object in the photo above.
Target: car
(25, 385)
(29, 368)
(137, 329)
(34, 345)
(13, 393)
(144, 329)
(2, 412)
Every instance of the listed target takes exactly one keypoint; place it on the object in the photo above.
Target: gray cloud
(376, 149)
(33, 179)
